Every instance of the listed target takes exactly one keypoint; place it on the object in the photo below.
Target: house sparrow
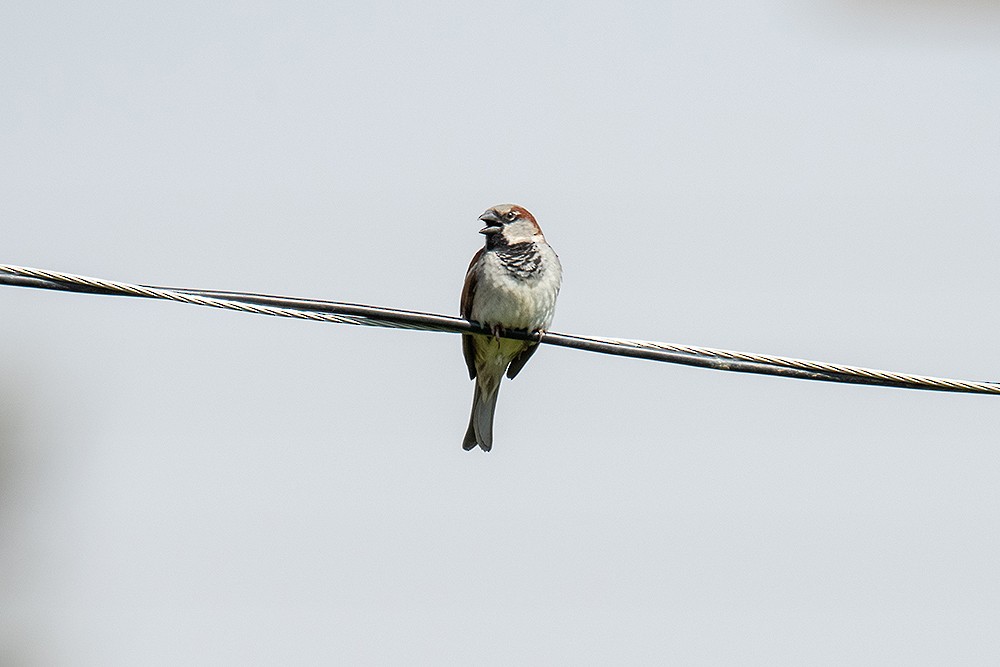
(512, 283)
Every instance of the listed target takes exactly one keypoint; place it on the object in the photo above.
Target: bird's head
(511, 222)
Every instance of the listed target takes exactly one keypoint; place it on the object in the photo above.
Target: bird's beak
(493, 222)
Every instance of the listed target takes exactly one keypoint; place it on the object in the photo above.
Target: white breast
(514, 302)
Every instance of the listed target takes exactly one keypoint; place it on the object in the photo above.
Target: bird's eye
(511, 215)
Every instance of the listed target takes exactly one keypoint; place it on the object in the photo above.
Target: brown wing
(468, 293)
(520, 360)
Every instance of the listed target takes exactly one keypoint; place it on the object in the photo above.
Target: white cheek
(520, 231)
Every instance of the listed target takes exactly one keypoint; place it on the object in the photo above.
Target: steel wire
(364, 315)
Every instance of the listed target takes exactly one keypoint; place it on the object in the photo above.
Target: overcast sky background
(181, 485)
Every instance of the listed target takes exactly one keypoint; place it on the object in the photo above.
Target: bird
(512, 283)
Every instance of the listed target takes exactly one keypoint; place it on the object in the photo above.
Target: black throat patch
(522, 260)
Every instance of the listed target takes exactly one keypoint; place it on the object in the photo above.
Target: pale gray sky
(186, 486)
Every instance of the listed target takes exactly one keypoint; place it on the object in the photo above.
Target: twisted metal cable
(362, 315)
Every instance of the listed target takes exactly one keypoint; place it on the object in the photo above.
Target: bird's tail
(480, 430)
